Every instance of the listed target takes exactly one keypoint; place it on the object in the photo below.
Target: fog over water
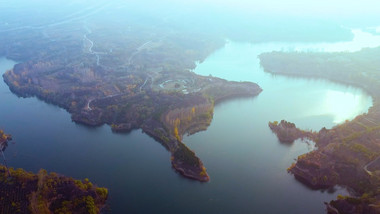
(246, 162)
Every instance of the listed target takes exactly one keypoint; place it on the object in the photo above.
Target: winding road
(146, 80)
(89, 31)
(368, 164)
(138, 50)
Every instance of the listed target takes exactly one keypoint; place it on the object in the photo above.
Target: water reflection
(344, 105)
(310, 100)
(339, 105)
(246, 162)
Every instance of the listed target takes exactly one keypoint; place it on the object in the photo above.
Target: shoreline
(345, 150)
(177, 114)
(45, 192)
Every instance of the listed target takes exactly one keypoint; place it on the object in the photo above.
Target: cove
(246, 162)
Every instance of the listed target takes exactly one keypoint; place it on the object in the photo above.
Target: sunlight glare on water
(243, 157)
(315, 100)
(339, 105)
(344, 105)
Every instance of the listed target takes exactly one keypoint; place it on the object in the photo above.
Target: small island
(27, 192)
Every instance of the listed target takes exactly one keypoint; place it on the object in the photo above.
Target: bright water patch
(344, 105)
(246, 162)
(306, 101)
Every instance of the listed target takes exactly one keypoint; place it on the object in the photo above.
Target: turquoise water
(295, 99)
(245, 161)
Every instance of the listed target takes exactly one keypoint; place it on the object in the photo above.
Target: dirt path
(368, 164)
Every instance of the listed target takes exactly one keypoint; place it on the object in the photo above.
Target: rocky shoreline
(288, 132)
(162, 115)
(344, 151)
(192, 172)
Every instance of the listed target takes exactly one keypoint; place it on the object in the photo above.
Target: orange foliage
(176, 133)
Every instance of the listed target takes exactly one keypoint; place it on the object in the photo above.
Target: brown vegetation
(132, 96)
(26, 192)
(344, 151)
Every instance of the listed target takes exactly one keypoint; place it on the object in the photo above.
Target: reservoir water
(245, 161)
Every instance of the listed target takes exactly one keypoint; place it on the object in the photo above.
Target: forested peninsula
(129, 82)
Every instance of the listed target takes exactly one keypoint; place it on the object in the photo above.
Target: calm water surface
(246, 162)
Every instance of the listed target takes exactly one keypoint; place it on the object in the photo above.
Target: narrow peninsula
(149, 86)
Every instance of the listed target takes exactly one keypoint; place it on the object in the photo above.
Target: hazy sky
(294, 7)
(281, 7)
